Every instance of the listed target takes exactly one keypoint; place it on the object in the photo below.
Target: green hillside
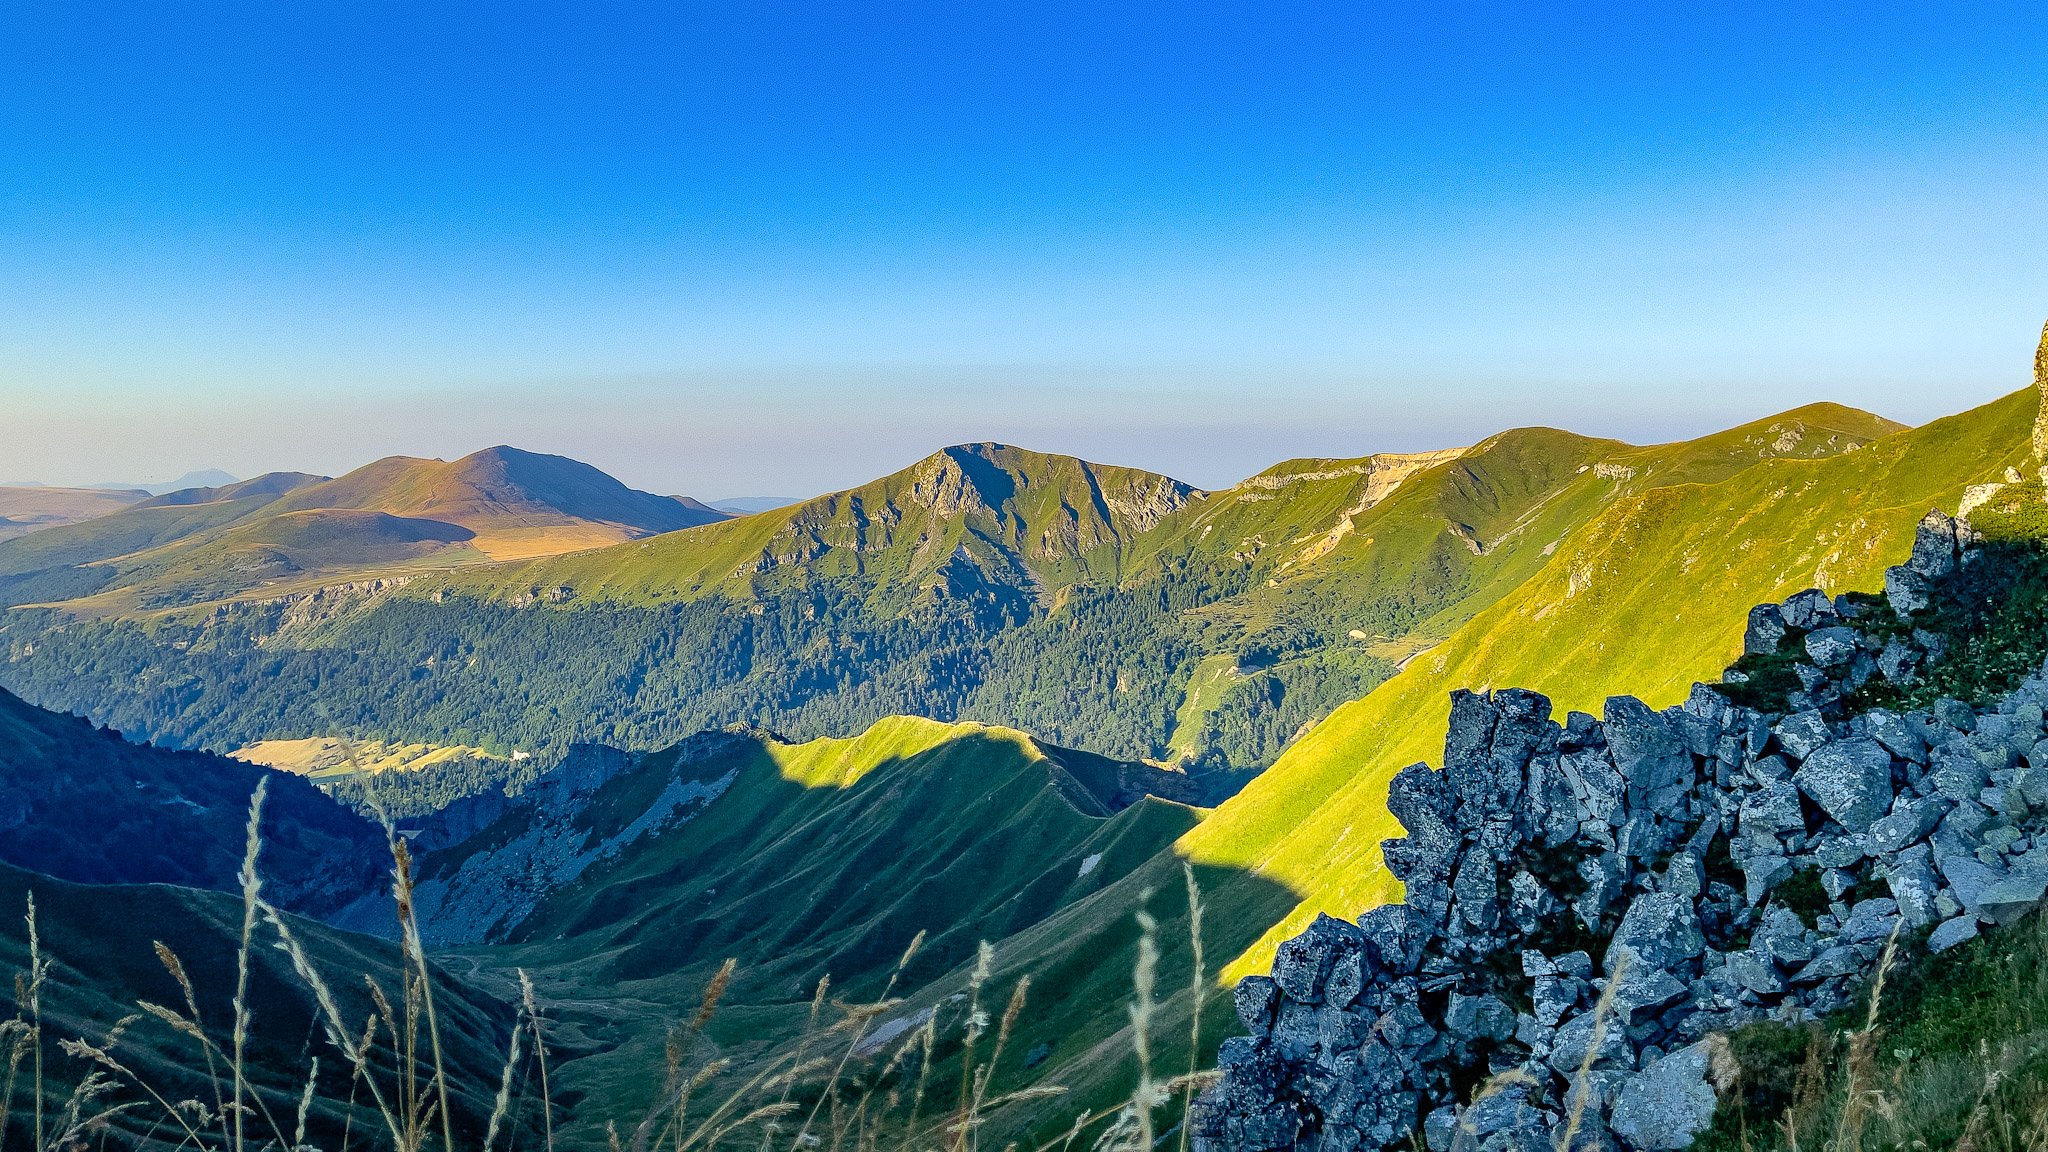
(1644, 599)
(1104, 608)
(975, 521)
(287, 530)
(824, 858)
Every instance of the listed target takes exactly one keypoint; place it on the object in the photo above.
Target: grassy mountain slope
(972, 521)
(1646, 598)
(989, 583)
(827, 858)
(83, 804)
(288, 530)
(517, 503)
(26, 510)
(1340, 565)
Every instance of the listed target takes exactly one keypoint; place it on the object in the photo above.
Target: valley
(997, 700)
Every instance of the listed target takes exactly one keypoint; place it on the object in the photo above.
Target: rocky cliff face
(1590, 902)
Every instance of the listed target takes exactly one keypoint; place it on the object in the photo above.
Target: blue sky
(781, 248)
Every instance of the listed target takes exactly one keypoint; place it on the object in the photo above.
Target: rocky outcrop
(487, 864)
(1590, 901)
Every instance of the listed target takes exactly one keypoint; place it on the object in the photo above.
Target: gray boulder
(1421, 800)
(1301, 963)
(1766, 627)
(1898, 735)
(1850, 779)
(1909, 821)
(1639, 990)
(1648, 754)
(1762, 873)
(1829, 647)
(1257, 999)
(1809, 610)
(1667, 1104)
(2007, 900)
(1755, 971)
(1772, 809)
(1660, 930)
(1577, 1037)
(1482, 1017)
(1899, 662)
(1802, 733)
(1952, 933)
(1970, 878)
(1914, 887)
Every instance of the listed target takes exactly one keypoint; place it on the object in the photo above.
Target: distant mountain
(1107, 608)
(31, 509)
(748, 505)
(990, 523)
(517, 503)
(81, 803)
(389, 518)
(205, 478)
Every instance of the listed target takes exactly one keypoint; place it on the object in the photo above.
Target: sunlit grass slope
(1648, 597)
(1385, 559)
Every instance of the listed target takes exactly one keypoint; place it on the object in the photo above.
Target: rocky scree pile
(1703, 867)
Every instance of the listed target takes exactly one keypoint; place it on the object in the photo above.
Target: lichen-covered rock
(1765, 629)
(1951, 933)
(1668, 1103)
(1802, 733)
(1828, 647)
(1660, 930)
(1850, 779)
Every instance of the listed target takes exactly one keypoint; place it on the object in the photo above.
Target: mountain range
(291, 529)
(998, 694)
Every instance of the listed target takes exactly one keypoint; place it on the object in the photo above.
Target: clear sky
(777, 248)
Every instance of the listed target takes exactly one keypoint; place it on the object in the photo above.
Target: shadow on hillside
(966, 842)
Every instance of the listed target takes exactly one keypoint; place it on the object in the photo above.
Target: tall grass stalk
(1144, 978)
(37, 966)
(865, 1017)
(540, 1051)
(250, 885)
(977, 1022)
(1198, 986)
(1603, 1016)
(194, 1027)
(803, 1044)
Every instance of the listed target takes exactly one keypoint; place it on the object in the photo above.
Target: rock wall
(1664, 861)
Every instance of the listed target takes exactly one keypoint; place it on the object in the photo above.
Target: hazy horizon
(789, 249)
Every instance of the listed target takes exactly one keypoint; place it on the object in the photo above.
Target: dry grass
(1961, 1063)
(850, 1094)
